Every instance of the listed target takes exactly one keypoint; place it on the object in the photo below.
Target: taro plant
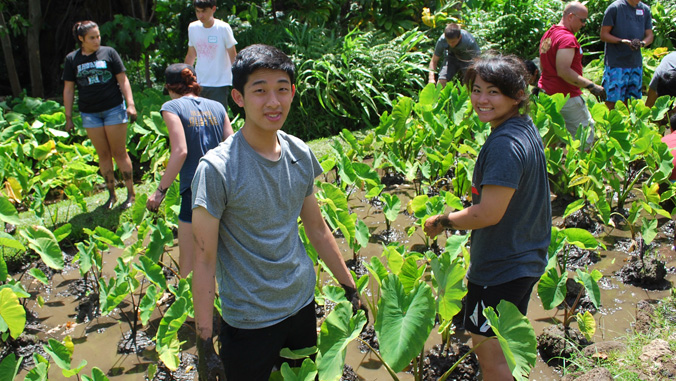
(46, 243)
(406, 310)
(12, 314)
(552, 287)
(448, 271)
(391, 207)
(400, 142)
(637, 151)
(10, 366)
(168, 345)
(339, 329)
(62, 354)
(89, 258)
(334, 208)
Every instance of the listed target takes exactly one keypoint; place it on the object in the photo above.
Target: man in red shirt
(561, 62)
(670, 141)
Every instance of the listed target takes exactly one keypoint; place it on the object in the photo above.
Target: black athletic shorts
(479, 297)
(251, 354)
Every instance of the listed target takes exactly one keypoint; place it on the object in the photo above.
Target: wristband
(590, 86)
(163, 192)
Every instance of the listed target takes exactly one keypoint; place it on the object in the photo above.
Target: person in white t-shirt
(212, 43)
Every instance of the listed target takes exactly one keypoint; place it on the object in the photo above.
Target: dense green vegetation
(362, 69)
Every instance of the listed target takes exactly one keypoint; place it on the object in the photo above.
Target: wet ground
(97, 338)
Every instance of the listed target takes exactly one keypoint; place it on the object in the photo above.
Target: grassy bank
(655, 325)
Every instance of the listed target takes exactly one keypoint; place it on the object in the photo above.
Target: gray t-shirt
(516, 247)
(202, 121)
(628, 23)
(263, 272)
(668, 64)
(465, 51)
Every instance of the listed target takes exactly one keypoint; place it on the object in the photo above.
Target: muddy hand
(353, 297)
(599, 92)
(209, 366)
(131, 113)
(636, 44)
(154, 201)
(432, 227)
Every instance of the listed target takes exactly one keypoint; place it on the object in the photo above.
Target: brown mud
(68, 311)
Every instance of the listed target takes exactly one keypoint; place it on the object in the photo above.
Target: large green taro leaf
(516, 336)
(404, 321)
(337, 331)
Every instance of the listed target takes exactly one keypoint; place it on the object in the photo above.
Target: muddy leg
(109, 176)
(131, 196)
(117, 138)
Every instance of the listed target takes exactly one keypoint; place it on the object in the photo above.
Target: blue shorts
(622, 83)
(478, 297)
(111, 117)
(185, 214)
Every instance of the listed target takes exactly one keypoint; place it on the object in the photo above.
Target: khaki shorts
(575, 113)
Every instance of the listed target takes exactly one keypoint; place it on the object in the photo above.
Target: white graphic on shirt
(90, 73)
(474, 318)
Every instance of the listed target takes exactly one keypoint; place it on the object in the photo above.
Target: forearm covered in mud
(205, 234)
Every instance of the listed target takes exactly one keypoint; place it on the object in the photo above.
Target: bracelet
(590, 86)
(642, 43)
(163, 192)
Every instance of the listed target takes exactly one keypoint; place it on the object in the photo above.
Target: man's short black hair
(672, 122)
(203, 4)
(259, 56)
(666, 84)
(452, 31)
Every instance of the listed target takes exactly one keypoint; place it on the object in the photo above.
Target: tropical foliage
(368, 71)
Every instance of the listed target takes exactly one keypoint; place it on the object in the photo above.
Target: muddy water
(96, 341)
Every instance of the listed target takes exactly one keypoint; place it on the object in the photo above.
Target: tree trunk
(33, 42)
(9, 58)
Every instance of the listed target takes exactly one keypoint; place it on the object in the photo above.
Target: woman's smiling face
(490, 104)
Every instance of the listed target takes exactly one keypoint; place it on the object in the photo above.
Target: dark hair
(81, 28)
(531, 67)
(666, 84)
(189, 84)
(533, 71)
(672, 122)
(203, 4)
(506, 72)
(452, 31)
(256, 57)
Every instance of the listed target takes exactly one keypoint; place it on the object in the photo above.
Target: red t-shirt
(558, 37)
(670, 141)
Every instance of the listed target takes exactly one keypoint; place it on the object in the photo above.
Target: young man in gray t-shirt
(248, 194)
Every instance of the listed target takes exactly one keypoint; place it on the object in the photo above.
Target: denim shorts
(111, 117)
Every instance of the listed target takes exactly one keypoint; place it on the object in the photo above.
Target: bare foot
(128, 203)
(110, 203)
